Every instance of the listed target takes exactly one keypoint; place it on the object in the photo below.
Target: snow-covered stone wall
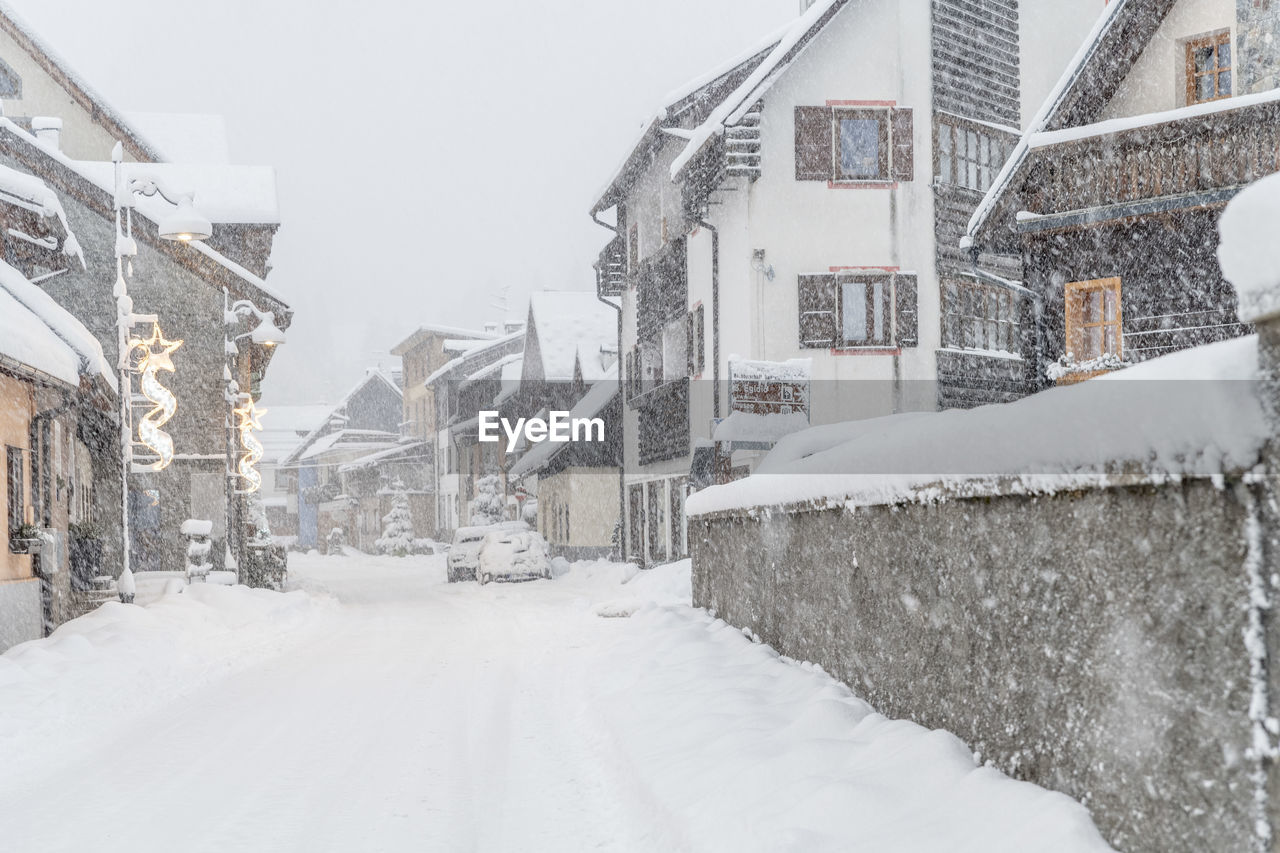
(1091, 641)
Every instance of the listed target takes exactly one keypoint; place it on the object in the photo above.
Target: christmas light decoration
(249, 415)
(166, 405)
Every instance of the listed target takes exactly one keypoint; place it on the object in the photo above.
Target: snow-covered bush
(397, 531)
(256, 515)
(336, 542)
(489, 505)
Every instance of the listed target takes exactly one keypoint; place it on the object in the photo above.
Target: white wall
(1157, 81)
(1050, 33)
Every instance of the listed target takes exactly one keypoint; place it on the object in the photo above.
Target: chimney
(48, 130)
(805, 4)
(491, 328)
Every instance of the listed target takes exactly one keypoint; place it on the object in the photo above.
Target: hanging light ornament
(249, 415)
(166, 405)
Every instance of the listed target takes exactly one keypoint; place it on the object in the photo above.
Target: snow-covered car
(464, 552)
(513, 555)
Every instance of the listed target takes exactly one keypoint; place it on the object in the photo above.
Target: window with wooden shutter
(819, 311)
(906, 310)
(903, 144)
(813, 143)
(866, 318)
(701, 337)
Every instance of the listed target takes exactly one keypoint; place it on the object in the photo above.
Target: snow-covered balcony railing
(1184, 158)
(664, 420)
(728, 162)
(611, 269)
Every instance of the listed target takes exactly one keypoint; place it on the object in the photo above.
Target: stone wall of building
(1091, 642)
(1257, 45)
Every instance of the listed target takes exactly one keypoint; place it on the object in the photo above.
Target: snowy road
(421, 716)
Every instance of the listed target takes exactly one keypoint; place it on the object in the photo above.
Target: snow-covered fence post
(199, 545)
(1250, 257)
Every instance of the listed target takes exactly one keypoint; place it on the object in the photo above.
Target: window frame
(883, 116)
(869, 278)
(1217, 40)
(1074, 327)
(954, 159)
(965, 329)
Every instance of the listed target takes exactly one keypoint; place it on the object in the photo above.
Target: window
(969, 155)
(849, 145)
(14, 488)
(862, 145)
(697, 342)
(1093, 322)
(864, 309)
(1209, 68)
(675, 358)
(980, 317)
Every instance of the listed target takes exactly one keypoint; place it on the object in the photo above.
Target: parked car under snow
(513, 555)
(464, 553)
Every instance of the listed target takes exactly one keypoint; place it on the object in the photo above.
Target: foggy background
(429, 155)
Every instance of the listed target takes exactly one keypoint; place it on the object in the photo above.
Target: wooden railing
(611, 268)
(1192, 155)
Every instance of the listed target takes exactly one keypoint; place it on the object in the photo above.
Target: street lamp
(240, 403)
(184, 224)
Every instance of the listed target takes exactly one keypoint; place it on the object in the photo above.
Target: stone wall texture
(1258, 45)
(1091, 642)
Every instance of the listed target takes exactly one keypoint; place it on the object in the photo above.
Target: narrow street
(418, 715)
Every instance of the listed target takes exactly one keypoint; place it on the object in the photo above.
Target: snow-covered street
(411, 714)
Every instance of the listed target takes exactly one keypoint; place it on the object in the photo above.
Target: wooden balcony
(1194, 161)
(611, 269)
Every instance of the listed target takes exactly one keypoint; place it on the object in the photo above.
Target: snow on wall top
(1249, 251)
(33, 191)
(86, 352)
(1191, 413)
(572, 325)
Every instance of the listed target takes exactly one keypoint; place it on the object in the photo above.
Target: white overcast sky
(429, 154)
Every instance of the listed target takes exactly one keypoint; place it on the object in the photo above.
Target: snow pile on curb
(712, 727)
(116, 664)
(1194, 413)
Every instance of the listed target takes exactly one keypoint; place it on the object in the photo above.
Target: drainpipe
(715, 314)
(622, 410)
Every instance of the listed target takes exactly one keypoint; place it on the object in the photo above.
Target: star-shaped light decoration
(166, 405)
(248, 413)
(161, 360)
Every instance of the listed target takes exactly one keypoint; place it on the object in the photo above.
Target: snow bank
(98, 672)
(1192, 413)
(733, 747)
(1249, 251)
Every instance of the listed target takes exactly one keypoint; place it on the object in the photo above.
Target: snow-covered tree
(397, 531)
(489, 505)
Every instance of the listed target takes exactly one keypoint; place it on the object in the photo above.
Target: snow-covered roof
(474, 358)
(402, 448)
(351, 441)
(1131, 426)
(591, 405)
(336, 414)
(65, 349)
(150, 208)
(791, 370)
(753, 428)
(284, 427)
(496, 369)
(186, 137)
(571, 327)
(453, 333)
(59, 66)
(1115, 41)
(230, 195)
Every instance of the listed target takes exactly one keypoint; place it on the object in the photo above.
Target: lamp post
(183, 224)
(266, 333)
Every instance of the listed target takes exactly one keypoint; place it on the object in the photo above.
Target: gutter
(622, 409)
